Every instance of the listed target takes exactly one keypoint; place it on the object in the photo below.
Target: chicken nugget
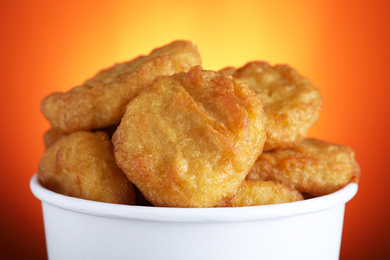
(100, 102)
(83, 165)
(290, 102)
(314, 167)
(256, 193)
(51, 136)
(190, 139)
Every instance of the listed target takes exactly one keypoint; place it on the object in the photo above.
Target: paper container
(82, 229)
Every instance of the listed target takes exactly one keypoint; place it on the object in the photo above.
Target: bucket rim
(193, 215)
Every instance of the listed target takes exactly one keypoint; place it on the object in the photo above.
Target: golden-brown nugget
(82, 165)
(101, 100)
(256, 193)
(190, 139)
(290, 102)
(314, 167)
(51, 136)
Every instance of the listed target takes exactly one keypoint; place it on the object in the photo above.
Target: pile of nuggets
(160, 130)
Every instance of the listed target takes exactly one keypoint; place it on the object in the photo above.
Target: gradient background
(342, 46)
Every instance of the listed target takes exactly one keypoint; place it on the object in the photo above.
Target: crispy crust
(314, 167)
(256, 193)
(101, 101)
(290, 102)
(190, 139)
(51, 136)
(83, 165)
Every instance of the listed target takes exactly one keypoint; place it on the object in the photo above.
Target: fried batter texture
(256, 193)
(291, 103)
(190, 139)
(82, 165)
(100, 102)
(314, 167)
(51, 136)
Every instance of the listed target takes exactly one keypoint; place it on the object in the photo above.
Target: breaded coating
(82, 165)
(314, 167)
(256, 193)
(290, 102)
(100, 102)
(51, 136)
(190, 139)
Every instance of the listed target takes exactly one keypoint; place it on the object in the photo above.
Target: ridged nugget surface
(314, 167)
(290, 102)
(190, 139)
(256, 193)
(83, 165)
(101, 100)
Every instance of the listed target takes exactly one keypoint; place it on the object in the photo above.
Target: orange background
(342, 46)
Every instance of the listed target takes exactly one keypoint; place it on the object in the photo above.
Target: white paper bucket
(82, 229)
